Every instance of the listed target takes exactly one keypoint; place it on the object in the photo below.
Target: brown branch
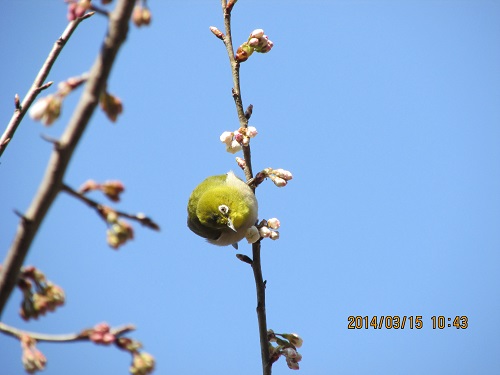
(141, 218)
(58, 163)
(256, 262)
(37, 86)
(69, 337)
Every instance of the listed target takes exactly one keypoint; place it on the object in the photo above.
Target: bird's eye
(224, 209)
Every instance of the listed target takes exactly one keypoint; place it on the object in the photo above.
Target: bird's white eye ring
(224, 209)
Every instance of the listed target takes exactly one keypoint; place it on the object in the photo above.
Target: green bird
(221, 209)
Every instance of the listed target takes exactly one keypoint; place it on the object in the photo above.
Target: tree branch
(256, 264)
(38, 86)
(69, 337)
(141, 218)
(58, 163)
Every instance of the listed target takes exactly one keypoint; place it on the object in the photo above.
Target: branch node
(49, 139)
(17, 103)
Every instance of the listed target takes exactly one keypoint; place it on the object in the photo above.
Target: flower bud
(278, 181)
(273, 223)
(142, 363)
(217, 32)
(238, 137)
(265, 232)
(226, 137)
(234, 147)
(253, 42)
(252, 235)
(274, 235)
(251, 131)
(257, 33)
(284, 174)
(241, 162)
(294, 339)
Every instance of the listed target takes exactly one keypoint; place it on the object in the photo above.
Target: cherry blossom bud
(273, 223)
(234, 147)
(46, 109)
(292, 365)
(241, 162)
(252, 235)
(238, 137)
(245, 142)
(253, 42)
(290, 353)
(265, 232)
(257, 33)
(113, 189)
(88, 185)
(294, 339)
(226, 137)
(251, 131)
(142, 363)
(217, 32)
(33, 359)
(284, 174)
(274, 235)
(278, 181)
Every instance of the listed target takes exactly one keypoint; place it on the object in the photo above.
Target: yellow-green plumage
(221, 209)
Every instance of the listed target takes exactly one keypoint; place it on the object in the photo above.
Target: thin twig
(58, 163)
(256, 261)
(69, 337)
(141, 218)
(38, 86)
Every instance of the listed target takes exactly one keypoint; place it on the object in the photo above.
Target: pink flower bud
(238, 137)
(284, 174)
(257, 33)
(278, 181)
(241, 162)
(251, 131)
(273, 223)
(265, 232)
(253, 42)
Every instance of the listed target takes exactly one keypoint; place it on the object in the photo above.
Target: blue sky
(386, 112)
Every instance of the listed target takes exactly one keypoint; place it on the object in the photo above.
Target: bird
(221, 209)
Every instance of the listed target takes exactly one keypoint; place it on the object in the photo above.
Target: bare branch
(58, 163)
(141, 218)
(37, 86)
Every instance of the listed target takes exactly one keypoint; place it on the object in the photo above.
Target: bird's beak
(230, 224)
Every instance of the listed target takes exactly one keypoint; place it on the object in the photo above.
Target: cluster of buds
(32, 358)
(141, 16)
(101, 334)
(48, 108)
(77, 9)
(287, 347)
(112, 189)
(266, 229)
(234, 141)
(119, 231)
(257, 42)
(142, 363)
(40, 295)
(111, 105)
(279, 177)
